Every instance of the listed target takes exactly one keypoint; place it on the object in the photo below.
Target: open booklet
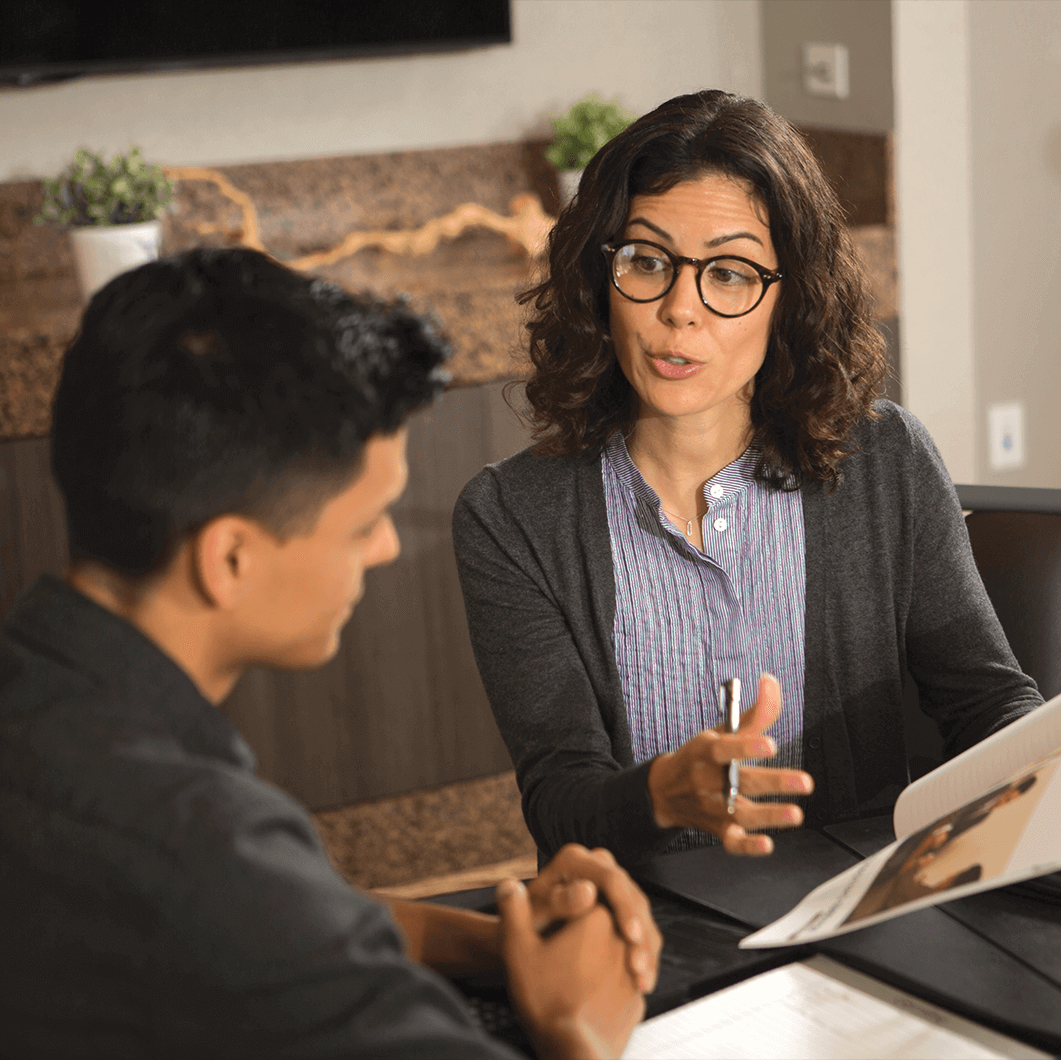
(984, 819)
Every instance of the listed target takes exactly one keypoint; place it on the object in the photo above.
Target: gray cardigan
(891, 587)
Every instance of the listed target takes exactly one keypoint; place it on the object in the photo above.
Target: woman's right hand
(686, 786)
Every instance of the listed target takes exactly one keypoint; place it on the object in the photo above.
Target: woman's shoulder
(531, 479)
(893, 456)
(891, 423)
(894, 484)
(893, 433)
(547, 504)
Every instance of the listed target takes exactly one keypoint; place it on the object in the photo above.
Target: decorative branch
(527, 226)
(250, 230)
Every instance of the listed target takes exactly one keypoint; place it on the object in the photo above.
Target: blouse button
(717, 490)
(720, 524)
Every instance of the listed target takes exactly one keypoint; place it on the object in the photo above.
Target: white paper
(815, 1008)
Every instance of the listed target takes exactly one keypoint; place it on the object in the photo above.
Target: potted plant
(112, 210)
(579, 134)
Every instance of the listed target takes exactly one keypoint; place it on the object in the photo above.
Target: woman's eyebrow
(729, 237)
(648, 224)
(716, 242)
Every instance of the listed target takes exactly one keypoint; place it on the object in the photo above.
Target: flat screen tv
(48, 40)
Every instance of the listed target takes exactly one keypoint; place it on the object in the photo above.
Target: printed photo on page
(1007, 834)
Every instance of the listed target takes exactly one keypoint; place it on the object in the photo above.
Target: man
(228, 438)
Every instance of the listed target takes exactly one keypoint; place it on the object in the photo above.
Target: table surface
(994, 957)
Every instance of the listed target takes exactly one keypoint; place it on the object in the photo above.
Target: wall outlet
(825, 70)
(1005, 433)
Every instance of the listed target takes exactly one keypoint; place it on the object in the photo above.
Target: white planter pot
(103, 251)
(567, 181)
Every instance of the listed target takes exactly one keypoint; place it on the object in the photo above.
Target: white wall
(643, 51)
(1015, 109)
(864, 26)
(933, 218)
(978, 146)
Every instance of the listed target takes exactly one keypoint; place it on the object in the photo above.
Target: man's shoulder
(110, 803)
(138, 771)
(30, 677)
(110, 766)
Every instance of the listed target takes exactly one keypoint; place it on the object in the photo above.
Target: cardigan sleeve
(543, 653)
(969, 681)
(892, 588)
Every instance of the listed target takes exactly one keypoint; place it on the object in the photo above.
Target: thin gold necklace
(682, 519)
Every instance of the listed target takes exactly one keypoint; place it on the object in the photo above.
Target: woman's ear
(223, 559)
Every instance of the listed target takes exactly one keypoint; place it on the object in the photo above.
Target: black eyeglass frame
(767, 276)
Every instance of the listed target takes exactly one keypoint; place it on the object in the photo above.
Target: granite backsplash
(307, 206)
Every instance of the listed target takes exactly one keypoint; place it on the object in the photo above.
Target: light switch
(1005, 432)
(825, 70)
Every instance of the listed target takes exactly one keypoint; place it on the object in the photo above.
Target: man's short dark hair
(220, 382)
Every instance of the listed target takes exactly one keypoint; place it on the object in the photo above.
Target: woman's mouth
(674, 366)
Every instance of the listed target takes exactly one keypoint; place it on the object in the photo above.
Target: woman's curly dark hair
(825, 358)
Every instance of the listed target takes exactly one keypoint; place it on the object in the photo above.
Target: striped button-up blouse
(686, 620)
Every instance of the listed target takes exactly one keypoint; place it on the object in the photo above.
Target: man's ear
(225, 558)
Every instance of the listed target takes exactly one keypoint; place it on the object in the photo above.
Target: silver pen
(729, 702)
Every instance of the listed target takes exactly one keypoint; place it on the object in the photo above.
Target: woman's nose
(682, 305)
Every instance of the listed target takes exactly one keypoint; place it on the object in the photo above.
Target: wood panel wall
(401, 707)
(32, 522)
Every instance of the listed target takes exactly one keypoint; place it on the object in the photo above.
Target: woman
(715, 493)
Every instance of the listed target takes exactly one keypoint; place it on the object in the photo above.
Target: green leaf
(90, 191)
(586, 127)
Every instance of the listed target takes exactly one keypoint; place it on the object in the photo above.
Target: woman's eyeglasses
(729, 286)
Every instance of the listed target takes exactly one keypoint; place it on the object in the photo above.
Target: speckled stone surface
(308, 205)
(305, 206)
(428, 833)
(469, 282)
(876, 246)
(39, 310)
(859, 167)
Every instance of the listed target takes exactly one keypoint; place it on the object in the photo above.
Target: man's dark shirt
(156, 897)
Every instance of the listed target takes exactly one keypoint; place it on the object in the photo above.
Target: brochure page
(1007, 834)
(1018, 746)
